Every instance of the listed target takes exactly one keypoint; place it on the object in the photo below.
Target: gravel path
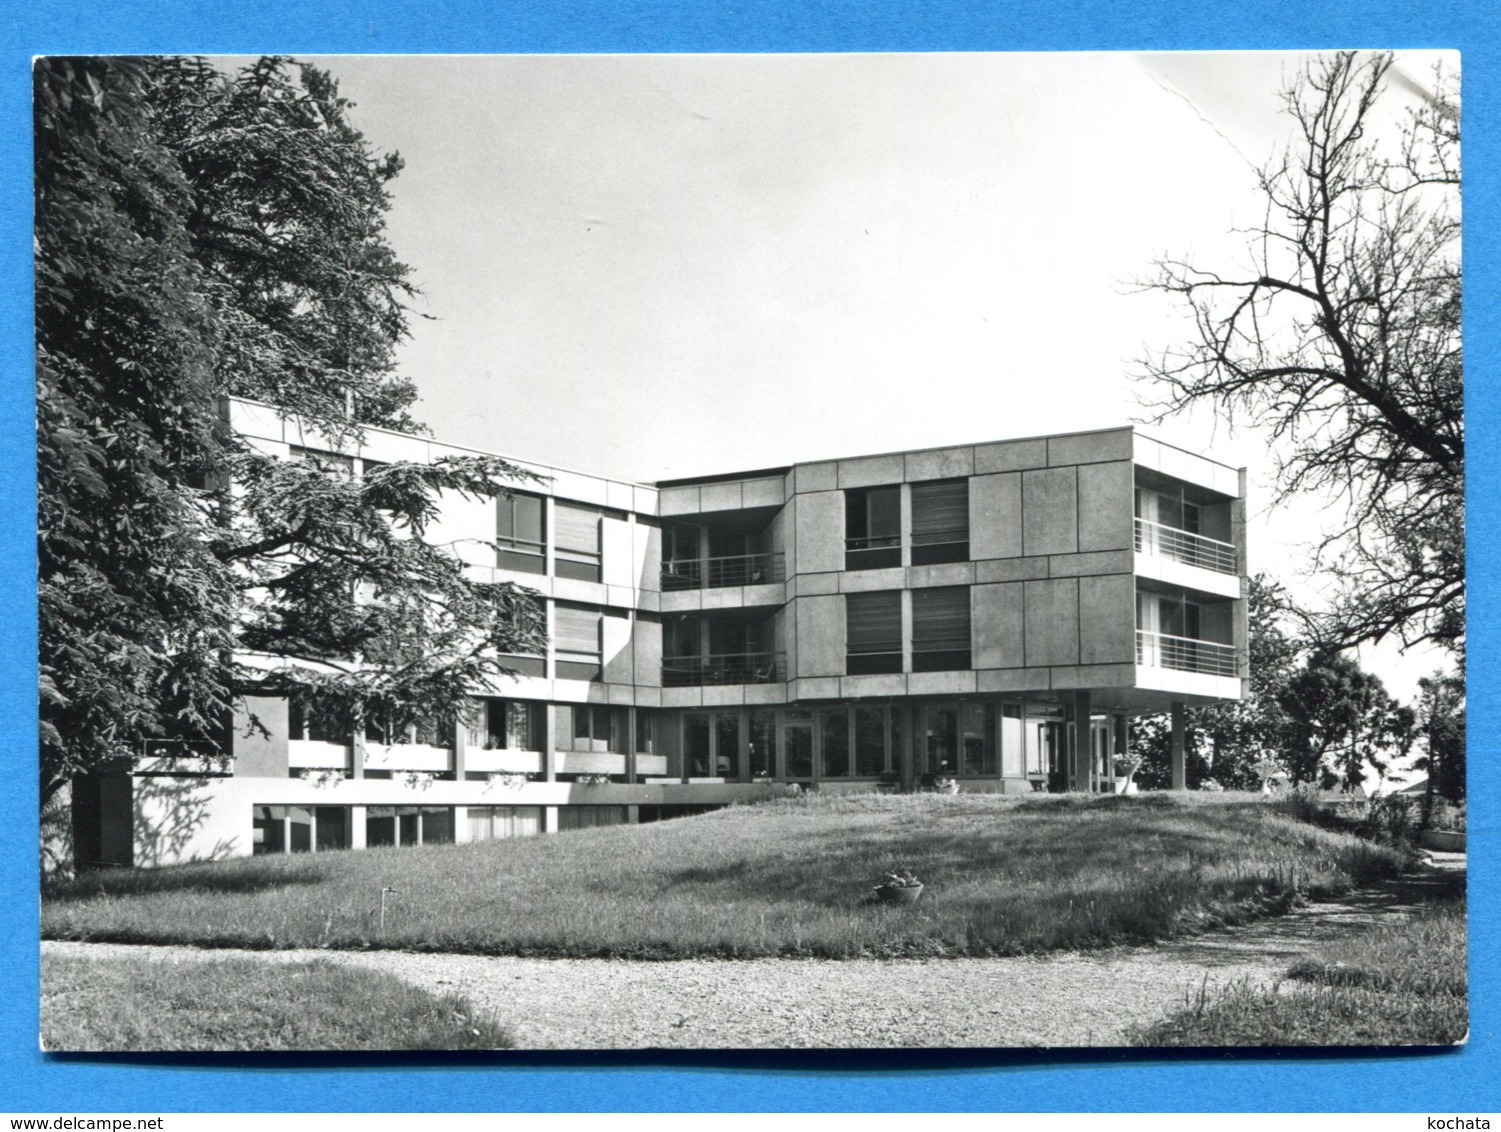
(1060, 999)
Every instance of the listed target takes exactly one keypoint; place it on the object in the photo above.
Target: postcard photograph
(750, 551)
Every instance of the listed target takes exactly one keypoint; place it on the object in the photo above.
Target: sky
(659, 266)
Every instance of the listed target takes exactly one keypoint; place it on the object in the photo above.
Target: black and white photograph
(750, 552)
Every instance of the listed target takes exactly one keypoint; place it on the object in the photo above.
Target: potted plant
(899, 888)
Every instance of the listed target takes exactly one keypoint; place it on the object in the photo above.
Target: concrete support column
(1179, 738)
(630, 745)
(549, 819)
(460, 825)
(907, 756)
(549, 743)
(458, 745)
(1080, 761)
(357, 752)
(633, 815)
(357, 827)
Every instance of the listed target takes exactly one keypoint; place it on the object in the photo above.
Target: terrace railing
(722, 668)
(733, 570)
(1160, 650)
(1185, 547)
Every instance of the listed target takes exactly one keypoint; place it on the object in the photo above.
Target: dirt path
(1061, 999)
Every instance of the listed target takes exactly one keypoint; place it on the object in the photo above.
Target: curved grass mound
(137, 1004)
(1002, 876)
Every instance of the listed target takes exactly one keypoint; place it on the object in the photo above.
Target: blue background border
(29, 1081)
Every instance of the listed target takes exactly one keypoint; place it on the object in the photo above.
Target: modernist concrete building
(993, 613)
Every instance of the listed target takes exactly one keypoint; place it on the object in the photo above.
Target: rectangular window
(493, 823)
(520, 531)
(577, 643)
(591, 727)
(873, 527)
(873, 632)
(978, 754)
(646, 731)
(940, 629)
(696, 744)
(835, 733)
(576, 541)
(763, 744)
(940, 735)
(408, 825)
(870, 741)
(587, 817)
(940, 522)
(509, 725)
(727, 746)
(316, 723)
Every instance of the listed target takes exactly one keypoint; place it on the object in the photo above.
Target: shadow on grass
(237, 877)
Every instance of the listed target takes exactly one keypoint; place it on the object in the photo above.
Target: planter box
(908, 895)
(1444, 840)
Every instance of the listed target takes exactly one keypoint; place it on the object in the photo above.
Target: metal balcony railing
(1185, 547)
(712, 573)
(1160, 650)
(722, 668)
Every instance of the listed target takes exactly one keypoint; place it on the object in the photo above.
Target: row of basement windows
(309, 829)
(860, 741)
(940, 631)
(873, 524)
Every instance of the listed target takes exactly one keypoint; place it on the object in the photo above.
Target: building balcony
(714, 573)
(1185, 547)
(1185, 654)
(722, 668)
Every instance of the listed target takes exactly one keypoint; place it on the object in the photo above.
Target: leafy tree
(202, 235)
(1342, 720)
(1441, 719)
(1342, 343)
(133, 607)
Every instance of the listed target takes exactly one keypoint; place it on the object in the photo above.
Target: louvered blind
(576, 630)
(577, 528)
(940, 618)
(940, 511)
(874, 622)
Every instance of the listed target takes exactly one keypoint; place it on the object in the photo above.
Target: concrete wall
(819, 533)
(820, 635)
(260, 737)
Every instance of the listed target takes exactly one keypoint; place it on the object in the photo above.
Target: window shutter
(940, 619)
(940, 509)
(576, 630)
(874, 622)
(577, 528)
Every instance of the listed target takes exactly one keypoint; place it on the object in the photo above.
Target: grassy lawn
(1402, 983)
(1004, 876)
(138, 1005)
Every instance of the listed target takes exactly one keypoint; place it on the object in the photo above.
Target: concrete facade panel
(997, 626)
(940, 464)
(1011, 569)
(1094, 676)
(765, 693)
(379, 445)
(259, 421)
(820, 636)
(1012, 680)
(617, 555)
(819, 537)
(646, 546)
(1107, 619)
(720, 496)
(646, 646)
(682, 697)
(941, 683)
(584, 489)
(995, 515)
(256, 753)
(812, 585)
(818, 688)
(815, 477)
(946, 574)
(1106, 504)
(646, 499)
(724, 695)
(871, 471)
(1050, 511)
(880, 687)
(620, 496)
(1052, 622)
(1011, 456)
(1090, 447)
(586, 593)
(866, 581)
(678, 501)
(1098, 562)
(616, 650)
(768, 492)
